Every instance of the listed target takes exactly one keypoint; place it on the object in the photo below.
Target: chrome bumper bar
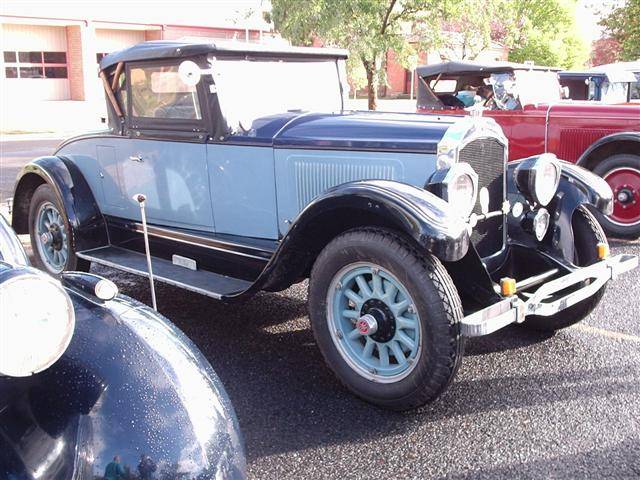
(515, 309)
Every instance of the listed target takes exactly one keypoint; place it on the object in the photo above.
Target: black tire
(436, 300)
(587, 234)
(44, 194)
(603, 168)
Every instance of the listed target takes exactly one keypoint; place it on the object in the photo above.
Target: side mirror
(189, 72)
(565, 92)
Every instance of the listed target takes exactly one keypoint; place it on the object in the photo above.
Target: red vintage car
(526, 101)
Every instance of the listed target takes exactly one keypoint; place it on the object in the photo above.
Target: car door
(165, 156)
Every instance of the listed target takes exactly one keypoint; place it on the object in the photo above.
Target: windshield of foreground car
(252, 89)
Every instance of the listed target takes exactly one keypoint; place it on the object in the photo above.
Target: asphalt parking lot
(524, 405)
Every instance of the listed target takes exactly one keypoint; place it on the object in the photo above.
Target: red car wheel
(625, 184)
(622, 173)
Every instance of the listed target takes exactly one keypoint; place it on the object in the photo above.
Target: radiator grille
(486, 156)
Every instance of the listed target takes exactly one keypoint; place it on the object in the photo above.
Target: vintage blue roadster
(413, 231)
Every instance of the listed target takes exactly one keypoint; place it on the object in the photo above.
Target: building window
(35, 64)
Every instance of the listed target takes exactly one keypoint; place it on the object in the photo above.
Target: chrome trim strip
(142, 273)
(546, 128)
(213, 244)
(515, 309)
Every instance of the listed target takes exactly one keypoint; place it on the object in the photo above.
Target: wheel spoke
(354, 297)
(353, 314)
(400, 307)
(368, 348)
(383, 353)
(404, 339)
(353, 334)
(398, 353)
(63, 255)
(377, 285)
(390, 292)
(50, 216)
(404, 323)
(365, 289)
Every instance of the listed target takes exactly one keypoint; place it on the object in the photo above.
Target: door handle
(136, 158)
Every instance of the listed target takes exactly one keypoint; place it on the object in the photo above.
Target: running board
(199, 281)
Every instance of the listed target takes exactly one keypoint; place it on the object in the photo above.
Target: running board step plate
(200, 281)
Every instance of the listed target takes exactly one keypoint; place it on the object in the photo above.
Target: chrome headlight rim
(530, 180)
(50, 347)
(444, 180)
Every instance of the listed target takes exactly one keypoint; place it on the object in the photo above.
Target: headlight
(538, 177)
(36, 325)
(457, 185)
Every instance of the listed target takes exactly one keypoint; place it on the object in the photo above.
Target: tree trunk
(372, 84)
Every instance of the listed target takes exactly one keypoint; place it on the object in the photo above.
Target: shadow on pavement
(287, 400)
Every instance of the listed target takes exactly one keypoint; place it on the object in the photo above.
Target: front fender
(417, 213)
(129, 384)
(577, 187)
(74, 194)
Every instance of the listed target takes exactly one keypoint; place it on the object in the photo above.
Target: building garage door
(110, 40)
(34, 62)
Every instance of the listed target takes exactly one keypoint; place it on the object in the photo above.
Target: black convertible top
(160, 49)
(469, 67)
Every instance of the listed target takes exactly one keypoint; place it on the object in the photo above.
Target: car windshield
(614, 92)
(537, 86)
(252, 89)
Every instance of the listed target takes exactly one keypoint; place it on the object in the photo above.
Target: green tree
(623, 25)
(368, 28)
(545, 32)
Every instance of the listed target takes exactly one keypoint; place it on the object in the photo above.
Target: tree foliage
(604, 50)
(368, 28)
(623, 25)
(545, 32)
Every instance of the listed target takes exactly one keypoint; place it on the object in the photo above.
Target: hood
(380, 131)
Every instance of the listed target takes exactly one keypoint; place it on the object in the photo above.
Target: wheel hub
(625, 195)
(625, 184)
(385, 322)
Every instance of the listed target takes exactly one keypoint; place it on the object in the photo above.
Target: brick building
(50, 50)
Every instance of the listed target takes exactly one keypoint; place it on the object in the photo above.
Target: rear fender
(74, 194)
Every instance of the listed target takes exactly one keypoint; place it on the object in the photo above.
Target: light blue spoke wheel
(386, 317)
(374, 322)
(52, 237)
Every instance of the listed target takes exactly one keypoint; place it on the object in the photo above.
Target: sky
(588, 13)
(193, 12)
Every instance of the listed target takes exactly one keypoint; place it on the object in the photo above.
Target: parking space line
(607, 333)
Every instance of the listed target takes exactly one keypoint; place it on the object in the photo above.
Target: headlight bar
(442, 183)
(532, 182)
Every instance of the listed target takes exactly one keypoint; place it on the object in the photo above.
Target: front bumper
(515, 309)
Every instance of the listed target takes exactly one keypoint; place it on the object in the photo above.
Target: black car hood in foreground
(129, 384)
